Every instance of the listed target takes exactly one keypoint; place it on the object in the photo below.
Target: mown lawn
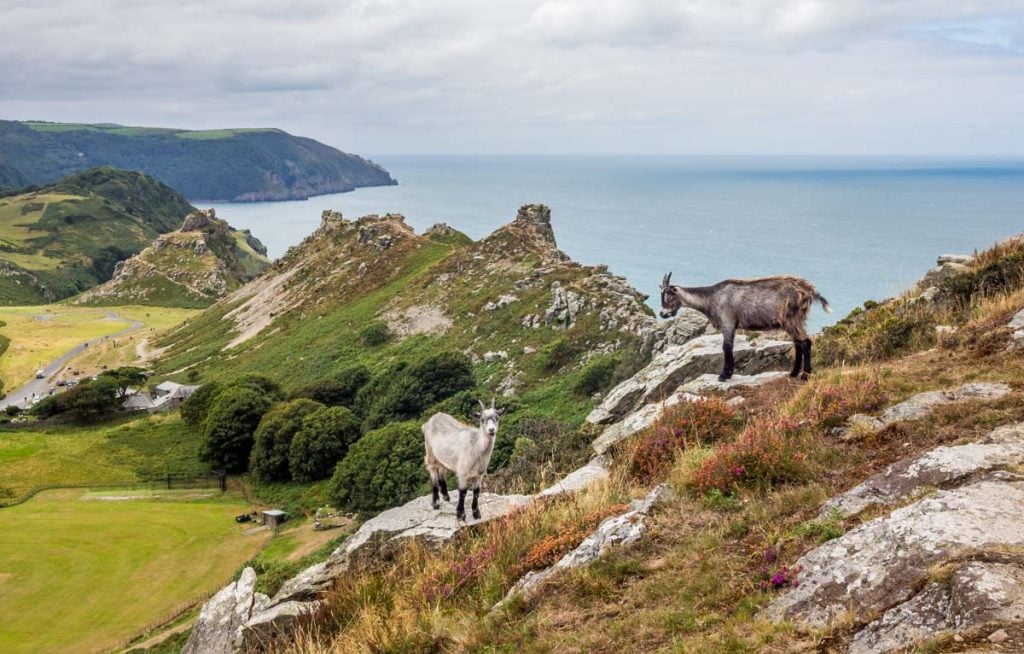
(83, 574)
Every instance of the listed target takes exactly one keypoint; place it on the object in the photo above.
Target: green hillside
(222, 164)
(67, 237)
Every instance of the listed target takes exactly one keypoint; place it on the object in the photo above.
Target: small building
(139, 402)
(273, 518)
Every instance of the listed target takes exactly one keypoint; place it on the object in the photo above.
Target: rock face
(939, 468)
(976, 593)
(218, 628)
(639, 420)
(921, 405)
(709, 382)
(616, 531)
(679, 364)
(878, 564)
(1016, 326)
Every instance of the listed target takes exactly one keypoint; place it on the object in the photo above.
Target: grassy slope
(123, 452)
(112, 568)
(319, 334)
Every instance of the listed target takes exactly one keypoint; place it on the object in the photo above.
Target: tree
(324, 438)
(261, 384)
(86, 402)
(340, 390)
(125, 378)
(268, 460)
(382, 469)
(195, 408)
(229, 426)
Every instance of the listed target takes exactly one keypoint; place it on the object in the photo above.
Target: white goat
(465, 450)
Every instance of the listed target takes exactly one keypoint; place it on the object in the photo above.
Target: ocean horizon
(858, 228)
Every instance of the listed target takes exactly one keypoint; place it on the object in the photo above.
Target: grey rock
(998, 636)
(681, 363)
(637, 421)
(219, 626)
(502, 301)
(686, 326)
(877, 565)
(596, 470)
(976, 593)
(1016, 324)
(491, 357)
(709, 382)
(565, 307)
(274, 625)
(939, 468)
(943, 272)
(964, 259)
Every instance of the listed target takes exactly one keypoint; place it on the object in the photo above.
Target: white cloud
(533, 75)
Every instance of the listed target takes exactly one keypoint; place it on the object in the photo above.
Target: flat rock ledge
(679, 364)
(920, 406)
(942, 467)
(615, 531)
(239, 619)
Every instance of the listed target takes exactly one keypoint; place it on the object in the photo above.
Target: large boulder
(679, 364)
(1016, 326)
(218, 629)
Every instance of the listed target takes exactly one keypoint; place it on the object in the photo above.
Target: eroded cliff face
(192, 267)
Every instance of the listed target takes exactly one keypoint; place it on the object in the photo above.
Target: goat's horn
(665, 280)
(492, 401)
(483, 407)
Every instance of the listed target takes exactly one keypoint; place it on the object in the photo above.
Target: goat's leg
(728, 364)
(460, 510)
(798, 356)
(476, 501)
(443, 483)
(807, 358)
(434, 488)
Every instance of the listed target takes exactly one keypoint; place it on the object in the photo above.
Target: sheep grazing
(756, 304)
(465, 450)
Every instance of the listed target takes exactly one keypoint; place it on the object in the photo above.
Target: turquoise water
(857, 228)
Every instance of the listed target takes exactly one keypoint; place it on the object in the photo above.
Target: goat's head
(488, 418)
(670, 300)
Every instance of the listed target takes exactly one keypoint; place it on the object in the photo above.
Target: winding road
(39, 387)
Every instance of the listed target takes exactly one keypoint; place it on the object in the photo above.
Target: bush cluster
(405, 390)
(652, 453)
(382, 469)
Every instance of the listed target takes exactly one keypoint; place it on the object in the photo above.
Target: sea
(858, 228)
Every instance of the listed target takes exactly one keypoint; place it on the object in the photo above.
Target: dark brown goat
(756, 304)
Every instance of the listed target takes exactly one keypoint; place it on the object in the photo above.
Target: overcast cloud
(533, 76)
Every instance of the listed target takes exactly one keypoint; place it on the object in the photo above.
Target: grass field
(83, 574)
(124, 130)
(40, 334)
(143, 448)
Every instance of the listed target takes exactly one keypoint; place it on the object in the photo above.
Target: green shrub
(531, 450)
(272, 441)
(382, 469)
(555, 355)
(261, 384)
(374, 334)
(340, 390)
(405, 390)
(87, 402)
(195, 408)
(229, 426)
(596, 376)
(323, 440)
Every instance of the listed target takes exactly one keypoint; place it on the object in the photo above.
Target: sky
(860, 77)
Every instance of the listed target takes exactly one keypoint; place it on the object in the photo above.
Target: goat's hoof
(435, 505)
(460, 517)
(476, 515)
(723, 378)
(794, 374)
(447, 499)
(805, 376)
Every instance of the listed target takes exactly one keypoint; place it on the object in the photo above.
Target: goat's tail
(824, 303)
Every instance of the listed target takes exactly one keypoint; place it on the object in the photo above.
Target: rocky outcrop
(680, 364)
(879, 564)
(919, 406)
(596, 470)
(710, 382)
(686, 326)
(940, 468)
(616, 531)
(637, 421)
(1016, 326)
(218, 629)
(565, 306)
